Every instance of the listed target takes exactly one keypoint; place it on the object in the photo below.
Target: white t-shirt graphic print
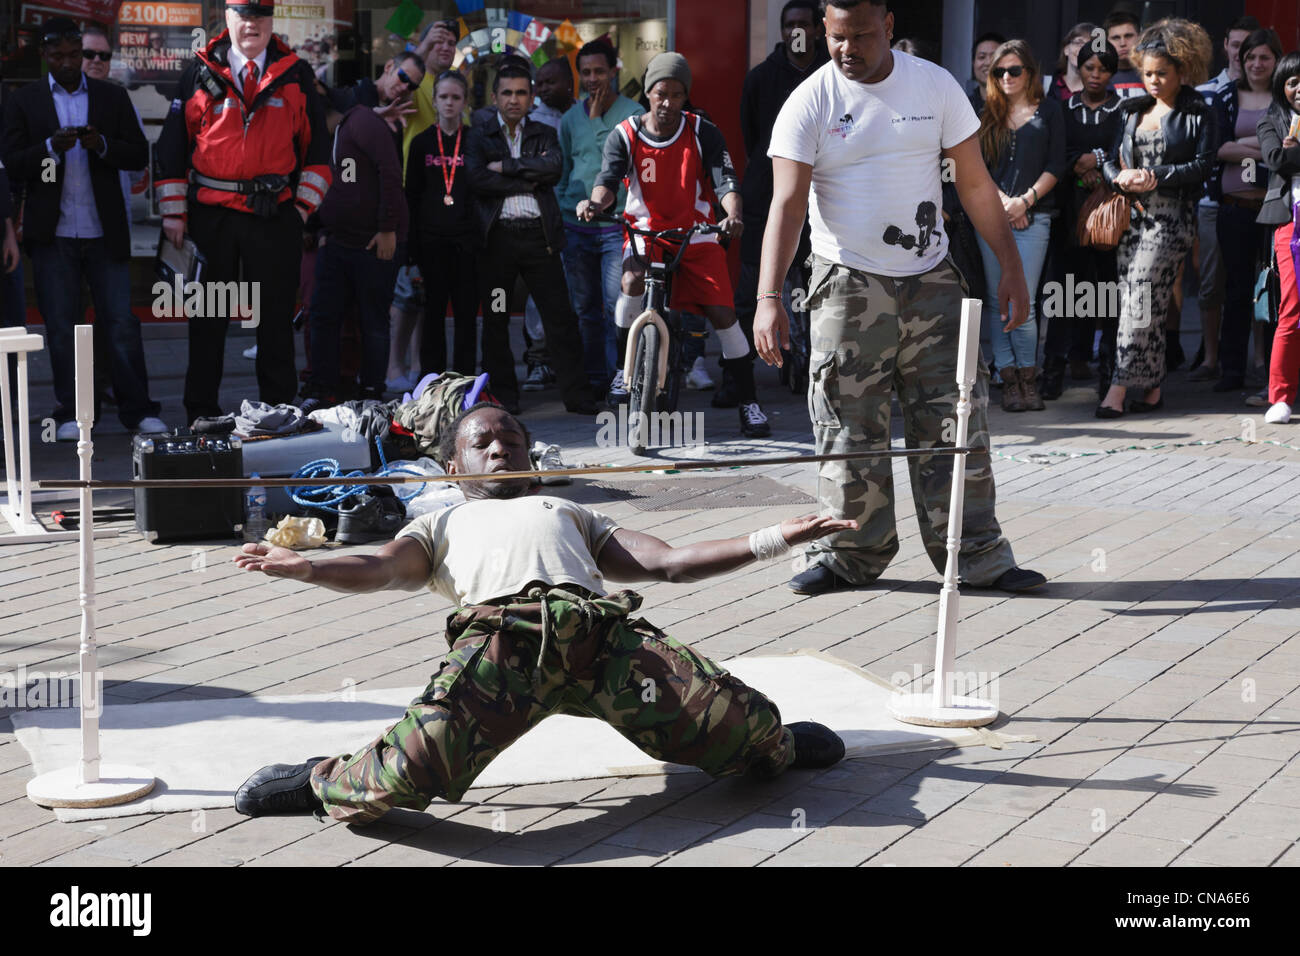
(876, 203)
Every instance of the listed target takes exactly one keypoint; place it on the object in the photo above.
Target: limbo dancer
(537, 633)
(869, 134)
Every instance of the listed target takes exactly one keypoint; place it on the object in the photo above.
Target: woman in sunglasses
(1165, 151)
(1022, 138)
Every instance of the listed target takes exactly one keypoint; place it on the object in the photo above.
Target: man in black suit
(513, 164)
(66, 139)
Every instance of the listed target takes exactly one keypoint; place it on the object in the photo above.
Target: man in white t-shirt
(536, 632)
(870, 133)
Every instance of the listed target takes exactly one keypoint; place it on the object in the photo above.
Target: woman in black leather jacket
(1279, 143)
(1165, 151)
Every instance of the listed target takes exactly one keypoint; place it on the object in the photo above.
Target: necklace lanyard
(449, 178)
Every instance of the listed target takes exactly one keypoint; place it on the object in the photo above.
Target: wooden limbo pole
(90, 783)
(940, 708)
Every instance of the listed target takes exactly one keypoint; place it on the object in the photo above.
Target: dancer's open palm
(277, 562)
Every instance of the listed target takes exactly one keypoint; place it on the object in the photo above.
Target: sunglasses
(104, 55)
(410, 84)
(1000, 71)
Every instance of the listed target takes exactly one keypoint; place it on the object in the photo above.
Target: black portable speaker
(187, 514)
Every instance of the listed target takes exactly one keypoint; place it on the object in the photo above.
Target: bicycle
(652, 366)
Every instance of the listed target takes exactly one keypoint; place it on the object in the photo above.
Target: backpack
(437, 406)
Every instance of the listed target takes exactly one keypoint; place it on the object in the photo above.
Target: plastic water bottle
(255, 513)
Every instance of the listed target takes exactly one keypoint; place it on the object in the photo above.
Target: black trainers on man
(279, 788)
(815, 745)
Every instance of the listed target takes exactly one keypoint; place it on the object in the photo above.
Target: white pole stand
(940, 708)
(16, 509)
(89, 783)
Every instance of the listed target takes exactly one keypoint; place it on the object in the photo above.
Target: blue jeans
(1018, 348)
(345, 276)
(58, 268)
(593, 264)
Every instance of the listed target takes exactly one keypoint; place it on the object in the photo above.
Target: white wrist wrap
(768, 543)
(733, 341)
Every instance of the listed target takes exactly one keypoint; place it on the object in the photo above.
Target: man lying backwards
(536, 633)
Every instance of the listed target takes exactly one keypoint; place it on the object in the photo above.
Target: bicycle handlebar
(677, 235)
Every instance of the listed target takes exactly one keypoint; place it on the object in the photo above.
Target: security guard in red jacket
(242, 160)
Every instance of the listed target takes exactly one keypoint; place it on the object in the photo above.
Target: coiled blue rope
(328, 497)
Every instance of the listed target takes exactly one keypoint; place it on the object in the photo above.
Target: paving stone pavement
(1159, 669)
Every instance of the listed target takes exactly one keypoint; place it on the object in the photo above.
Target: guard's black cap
(263, 8)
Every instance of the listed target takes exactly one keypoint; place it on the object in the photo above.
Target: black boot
(1053, 380)
(815, 745)
(279, 788)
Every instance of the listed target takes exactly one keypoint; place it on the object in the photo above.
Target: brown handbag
(1103, 218)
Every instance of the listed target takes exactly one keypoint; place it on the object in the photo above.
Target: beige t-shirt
(502, 545)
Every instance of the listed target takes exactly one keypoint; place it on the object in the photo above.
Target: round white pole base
(117, 783)
(920, 709)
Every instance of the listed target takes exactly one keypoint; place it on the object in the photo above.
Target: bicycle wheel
(643, 388)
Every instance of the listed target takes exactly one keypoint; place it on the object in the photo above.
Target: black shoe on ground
(815, 746)
(1014, 580)
(753, 423)
(1105, 411)
(584, 407)
(1052, 383)
(1231, 383)
(364, 518)
(818, 579)
(279, 788)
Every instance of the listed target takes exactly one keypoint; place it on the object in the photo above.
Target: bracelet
(767, 295)
(1035, 194)
(768, 543)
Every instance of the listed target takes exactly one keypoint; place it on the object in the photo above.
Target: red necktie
(250, 83)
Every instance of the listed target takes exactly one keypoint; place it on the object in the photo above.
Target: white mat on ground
(202, 750)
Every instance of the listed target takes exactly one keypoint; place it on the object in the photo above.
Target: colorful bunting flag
(405, 19)
(534, 36)
(566, 37)
(469, 6)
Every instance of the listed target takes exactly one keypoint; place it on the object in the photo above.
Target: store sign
(156, 40)
(100, 11)
(162, 14)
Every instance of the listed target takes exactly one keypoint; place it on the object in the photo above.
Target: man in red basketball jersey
(675, 163)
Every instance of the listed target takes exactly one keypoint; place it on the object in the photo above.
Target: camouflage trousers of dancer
(555, 650)
(873, 335)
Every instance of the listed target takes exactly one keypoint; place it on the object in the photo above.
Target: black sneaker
(753, 423)
(818, 579)
(279, 788)
(375, 516)
(815, 746)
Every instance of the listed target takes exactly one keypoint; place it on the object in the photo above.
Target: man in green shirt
(593, 253)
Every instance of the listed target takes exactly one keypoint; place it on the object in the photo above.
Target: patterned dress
(1149, 254)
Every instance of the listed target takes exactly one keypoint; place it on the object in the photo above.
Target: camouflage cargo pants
(873, 335)
(508, 668)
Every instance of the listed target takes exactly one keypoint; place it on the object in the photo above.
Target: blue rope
(328, 497)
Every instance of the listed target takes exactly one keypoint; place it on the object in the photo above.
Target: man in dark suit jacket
(513, 164)
(66, 138)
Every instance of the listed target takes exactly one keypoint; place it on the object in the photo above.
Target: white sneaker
(152, 426)
(1278, 414)
(251, 352)
(68, 431)
(547, 458)
(698, 378)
